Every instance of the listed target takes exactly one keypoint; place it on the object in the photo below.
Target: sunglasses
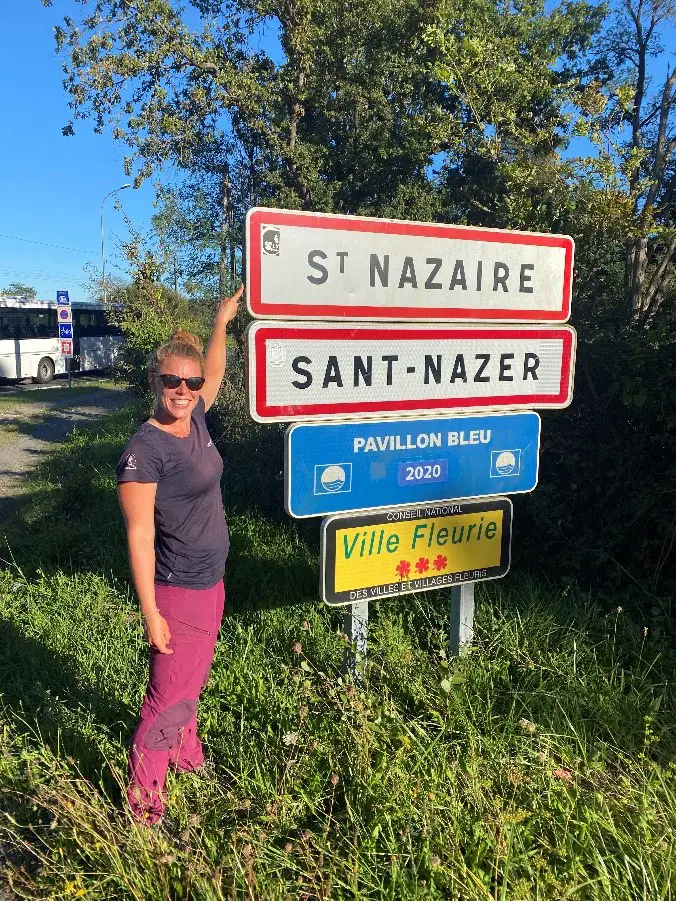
(193, 383)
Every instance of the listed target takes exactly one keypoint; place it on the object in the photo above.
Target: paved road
(34, 418)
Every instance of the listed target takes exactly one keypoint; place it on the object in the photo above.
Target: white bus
(29, 342)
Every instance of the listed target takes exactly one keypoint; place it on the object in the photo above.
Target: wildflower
(334, 779)
(528, 726)
(290, 738)
(297, 648)
(440, 562)
(435, 860)
(288, 847)
(563, 773)
(306, 625)
(403, 569)
(422, 565)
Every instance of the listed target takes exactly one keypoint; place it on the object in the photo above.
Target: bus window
(13, 324)
(42, 324)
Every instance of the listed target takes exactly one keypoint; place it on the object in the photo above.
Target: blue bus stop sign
(366, 465)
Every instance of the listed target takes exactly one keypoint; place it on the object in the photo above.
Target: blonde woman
(170, 494)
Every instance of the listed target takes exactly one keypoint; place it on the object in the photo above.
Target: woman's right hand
(158, 634)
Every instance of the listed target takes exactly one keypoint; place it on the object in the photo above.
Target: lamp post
(103, 256)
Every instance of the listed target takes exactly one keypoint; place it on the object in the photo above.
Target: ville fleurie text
(373, 556)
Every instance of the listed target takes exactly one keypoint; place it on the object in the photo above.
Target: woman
(169, 491)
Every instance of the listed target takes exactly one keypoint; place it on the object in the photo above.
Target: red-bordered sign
(323, 266)
(308, 372)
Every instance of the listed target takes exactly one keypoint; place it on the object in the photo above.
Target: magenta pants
(166, 734)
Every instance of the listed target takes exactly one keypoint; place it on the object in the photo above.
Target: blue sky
(52, 187)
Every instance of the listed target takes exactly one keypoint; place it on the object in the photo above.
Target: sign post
(461, 622)
(65, 319)
(421, 322)
(355, 627)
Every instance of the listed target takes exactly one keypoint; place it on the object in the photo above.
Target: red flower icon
(440, 562)
(422, 565)
(403, 569)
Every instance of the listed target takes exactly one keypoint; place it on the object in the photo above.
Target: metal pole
(69, 372)
(103, 255)
(356, 628)
(461, 629)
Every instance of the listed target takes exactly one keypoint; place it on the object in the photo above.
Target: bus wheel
(45, 371)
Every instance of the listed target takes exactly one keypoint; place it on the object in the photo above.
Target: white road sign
(311, 371)
(320, 266)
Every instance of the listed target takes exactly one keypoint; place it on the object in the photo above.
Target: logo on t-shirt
(131, 462)
(209, 442)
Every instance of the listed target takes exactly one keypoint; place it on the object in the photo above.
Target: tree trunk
(226, 217)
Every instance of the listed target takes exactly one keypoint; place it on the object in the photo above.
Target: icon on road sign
(66, 348)
(333, 478)
(65, 315)
(65, 330)
(62, 297)
(505, 463)
(270, 241)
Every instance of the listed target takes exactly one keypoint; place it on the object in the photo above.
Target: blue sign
(62, 297)
(349, 466)
(65, 330)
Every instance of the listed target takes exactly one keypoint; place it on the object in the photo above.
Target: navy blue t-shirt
(191, 534)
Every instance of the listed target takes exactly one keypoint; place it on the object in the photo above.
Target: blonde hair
(181, 344)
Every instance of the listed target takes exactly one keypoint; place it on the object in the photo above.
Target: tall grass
(538, 766)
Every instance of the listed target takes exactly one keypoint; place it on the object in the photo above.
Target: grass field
(538, 766)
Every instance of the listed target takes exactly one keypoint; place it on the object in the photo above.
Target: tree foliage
(18, 289)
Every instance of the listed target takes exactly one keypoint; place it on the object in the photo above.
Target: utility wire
(89, 253)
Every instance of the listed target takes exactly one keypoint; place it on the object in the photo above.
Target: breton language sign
(351, 466)
(320, 266)
(311, 371)
(378, 555)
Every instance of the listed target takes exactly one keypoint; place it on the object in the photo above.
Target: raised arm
(214, 360)
(137, 501)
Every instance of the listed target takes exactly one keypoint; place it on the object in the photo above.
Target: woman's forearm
(215, 357)
(142, 563)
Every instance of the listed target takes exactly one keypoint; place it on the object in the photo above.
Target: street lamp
(103, 256)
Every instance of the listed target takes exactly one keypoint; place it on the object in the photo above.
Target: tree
(17, 289)
(632, 124)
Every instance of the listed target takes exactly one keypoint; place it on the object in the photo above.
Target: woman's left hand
(228, 306)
